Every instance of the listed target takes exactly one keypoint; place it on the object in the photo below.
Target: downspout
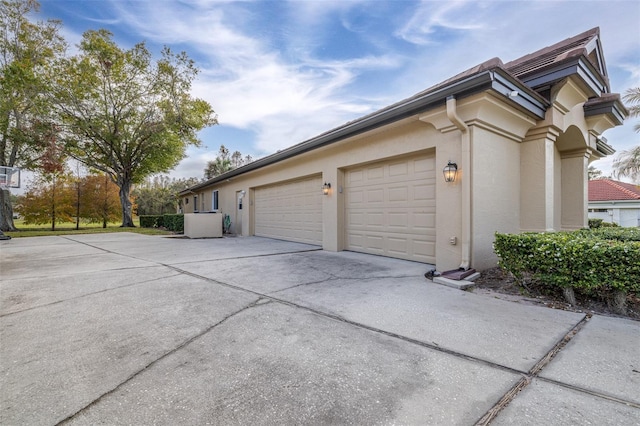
(465, 237)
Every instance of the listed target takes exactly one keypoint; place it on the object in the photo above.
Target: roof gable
(581, 54)
(612, 190)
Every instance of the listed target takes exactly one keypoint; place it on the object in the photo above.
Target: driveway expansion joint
(338, 318)
(86, 295)
(220, 259)
(534, 373)
(160, 358)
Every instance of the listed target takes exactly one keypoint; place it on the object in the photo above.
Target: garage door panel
(390, 208)
(399, 169)
(290, 211)
(375, 173)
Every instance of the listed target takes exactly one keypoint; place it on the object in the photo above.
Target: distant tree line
(63, 198)
(159, 195)
(225, 162)
(56, 198)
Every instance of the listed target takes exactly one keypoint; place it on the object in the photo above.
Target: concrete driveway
(131, 329)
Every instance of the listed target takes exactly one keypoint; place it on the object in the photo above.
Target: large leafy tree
(627, 163)
(26, 51)
(125, 114)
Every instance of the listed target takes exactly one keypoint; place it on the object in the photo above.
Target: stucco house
(614, 202)
(519, 136)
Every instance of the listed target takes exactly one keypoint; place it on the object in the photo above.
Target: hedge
(151, 221)
(172, 222)
(602, 261)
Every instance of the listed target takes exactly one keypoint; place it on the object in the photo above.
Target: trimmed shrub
(174, 222)
(151, 221)
(599, 262)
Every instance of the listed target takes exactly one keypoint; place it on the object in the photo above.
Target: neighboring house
(521, 135)
(614, 202)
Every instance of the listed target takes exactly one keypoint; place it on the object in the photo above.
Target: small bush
(595, 223)
(599, 223)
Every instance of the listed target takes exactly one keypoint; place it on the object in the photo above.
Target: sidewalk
(132, 329)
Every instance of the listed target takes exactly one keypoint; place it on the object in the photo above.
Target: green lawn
(85, 228)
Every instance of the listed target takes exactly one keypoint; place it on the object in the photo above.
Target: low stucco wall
(203, 225)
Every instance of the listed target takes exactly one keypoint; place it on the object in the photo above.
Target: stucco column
(575, 191)
(538, 180)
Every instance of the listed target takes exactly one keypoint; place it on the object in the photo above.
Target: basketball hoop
(9, 177)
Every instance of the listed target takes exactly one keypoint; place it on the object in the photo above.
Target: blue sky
(280, 72)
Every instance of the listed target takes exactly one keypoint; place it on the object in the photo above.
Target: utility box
(203, 225)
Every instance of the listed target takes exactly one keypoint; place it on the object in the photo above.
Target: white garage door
(290, 211)
(391, 210)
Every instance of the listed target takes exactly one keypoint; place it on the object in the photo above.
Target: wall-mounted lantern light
(325, 188)
(450, 171)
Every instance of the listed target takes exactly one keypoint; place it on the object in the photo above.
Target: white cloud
(430, 17)
(261, 73)
(252, 85)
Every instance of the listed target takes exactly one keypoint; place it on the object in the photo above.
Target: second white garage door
(391, 210)
(290, 211)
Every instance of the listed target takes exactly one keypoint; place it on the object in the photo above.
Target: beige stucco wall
(520, 174)
(408, 137)
(495, 192)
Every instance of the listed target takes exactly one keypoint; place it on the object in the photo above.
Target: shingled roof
(581, 54)
(612, 190)
(529, 77)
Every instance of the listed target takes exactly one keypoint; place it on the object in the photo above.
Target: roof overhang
(496, 79)
(580, 66)
(609, 105)
(604, 148)
(615, 203)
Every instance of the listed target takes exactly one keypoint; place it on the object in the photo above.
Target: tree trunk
(618, 302)
(53, 206)
(6, 211)
(77, 204)
(127, 218)
(569, 295)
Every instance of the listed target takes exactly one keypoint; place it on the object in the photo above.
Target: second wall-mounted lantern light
(450, 171)
(325, 188)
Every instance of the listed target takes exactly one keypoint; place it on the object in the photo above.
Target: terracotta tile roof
(612, 190)
(571, 47)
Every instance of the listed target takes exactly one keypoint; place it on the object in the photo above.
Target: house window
(598, 210)
(195, 203)
(186, 200)
(214, 201)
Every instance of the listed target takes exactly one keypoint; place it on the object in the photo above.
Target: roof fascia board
(527, 99)
(580, 66)
(610, 108)
(615, 203)
(496, 79)
(604, 148)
